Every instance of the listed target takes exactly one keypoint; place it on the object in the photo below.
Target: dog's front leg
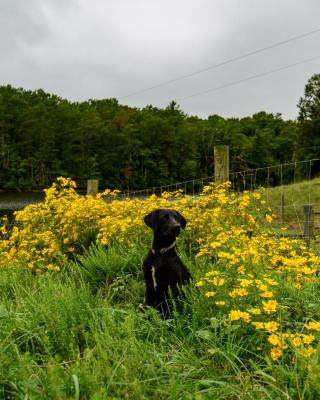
(150, 296)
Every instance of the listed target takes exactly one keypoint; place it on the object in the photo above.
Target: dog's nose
(176, 229)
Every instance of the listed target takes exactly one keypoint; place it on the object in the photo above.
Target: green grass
(72, 336)
(295, 196)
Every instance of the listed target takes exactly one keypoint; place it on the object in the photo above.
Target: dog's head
(166, 222)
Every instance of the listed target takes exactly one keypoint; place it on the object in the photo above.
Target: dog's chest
(153, 276)
(163, 273)
(158, 275)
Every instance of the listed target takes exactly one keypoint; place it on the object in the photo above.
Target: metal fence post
(282, 209)
(308, 223)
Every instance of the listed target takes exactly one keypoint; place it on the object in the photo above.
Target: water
(13, 201)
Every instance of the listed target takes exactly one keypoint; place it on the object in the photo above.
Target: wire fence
(288, 188)
(286, 199)
(250, 179)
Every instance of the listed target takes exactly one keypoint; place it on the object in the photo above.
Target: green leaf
(204, 334)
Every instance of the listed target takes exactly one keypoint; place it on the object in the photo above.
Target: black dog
(164, 272)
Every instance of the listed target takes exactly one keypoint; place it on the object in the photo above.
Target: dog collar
(164, 249)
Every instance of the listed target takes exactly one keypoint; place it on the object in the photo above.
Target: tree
(43, 136)
(309, 105)
(308, 143)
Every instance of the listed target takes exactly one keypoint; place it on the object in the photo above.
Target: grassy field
(294, 198)
(71, 326)
(68, 336)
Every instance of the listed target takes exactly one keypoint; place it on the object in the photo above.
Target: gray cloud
(82, 49)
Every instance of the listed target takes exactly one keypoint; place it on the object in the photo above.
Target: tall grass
(78, 335)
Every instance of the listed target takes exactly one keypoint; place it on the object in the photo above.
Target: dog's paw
(143, 307)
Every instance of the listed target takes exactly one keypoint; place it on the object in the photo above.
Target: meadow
(295, 196)
(71, 284)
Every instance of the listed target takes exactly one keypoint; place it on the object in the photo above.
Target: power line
(228, 61)
(249, 78)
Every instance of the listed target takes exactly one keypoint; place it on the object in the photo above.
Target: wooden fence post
(92, 186)
(308, 223)
(221, 164)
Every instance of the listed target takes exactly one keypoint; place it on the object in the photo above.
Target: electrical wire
(249, 78)
(225, 62)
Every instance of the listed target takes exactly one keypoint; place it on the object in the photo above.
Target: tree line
(43, 136)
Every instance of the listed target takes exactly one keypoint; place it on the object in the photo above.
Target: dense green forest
(43, 136)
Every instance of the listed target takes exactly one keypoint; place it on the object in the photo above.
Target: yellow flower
(215, 245)
(210, 294)
(216, 281)
(307, 339)
(263, 287)
(241, 269)
(212, 273)
(297, 285)
(242, 292)
(296, 341)
(258, 325)
(271, 282)
(269, 306)
(266, 294)
(220, 303)
(276, 352)
(271, 326)
(246, 317)
(306, 353)
(255, 311)
(314, 326)
(268, 218)
(234, 315)
(238, 292)
(275, 340)
(245, 282)
(199, 283)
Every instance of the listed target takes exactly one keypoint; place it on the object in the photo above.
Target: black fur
(164, 273)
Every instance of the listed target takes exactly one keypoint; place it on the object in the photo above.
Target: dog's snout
(176, 228)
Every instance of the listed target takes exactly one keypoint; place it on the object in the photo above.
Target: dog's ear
(183, 221)
(151, 219)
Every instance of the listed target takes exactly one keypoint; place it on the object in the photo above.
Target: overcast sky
(82, 49)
